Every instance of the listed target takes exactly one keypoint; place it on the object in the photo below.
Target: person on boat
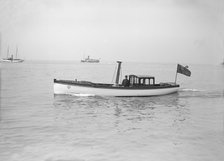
(126, 82)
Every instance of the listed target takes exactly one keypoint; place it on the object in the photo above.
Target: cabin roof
(142, 76)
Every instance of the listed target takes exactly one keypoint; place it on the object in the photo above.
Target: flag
(183, 70)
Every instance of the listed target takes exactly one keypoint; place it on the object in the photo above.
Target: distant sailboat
(11, 59)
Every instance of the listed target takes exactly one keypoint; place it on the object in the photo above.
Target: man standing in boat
(126, 82)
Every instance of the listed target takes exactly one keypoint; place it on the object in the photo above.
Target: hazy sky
(188, 31)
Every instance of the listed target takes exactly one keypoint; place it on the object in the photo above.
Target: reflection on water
(134, 103)
(128, 111)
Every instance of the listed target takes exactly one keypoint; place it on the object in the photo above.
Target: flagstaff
(176, 77)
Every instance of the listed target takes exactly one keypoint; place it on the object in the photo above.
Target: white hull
(86, 90)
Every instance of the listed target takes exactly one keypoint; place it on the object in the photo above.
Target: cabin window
(147, 81)
(141, 81)
(132, 80)
(136, 80)
(151, 81)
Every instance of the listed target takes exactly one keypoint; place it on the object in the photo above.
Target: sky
(164, 31)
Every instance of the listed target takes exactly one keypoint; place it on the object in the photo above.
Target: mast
(118, 73)
(0, 43)
(8, 52)
(16, 51)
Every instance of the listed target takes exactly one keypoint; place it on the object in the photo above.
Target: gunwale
(111, 86)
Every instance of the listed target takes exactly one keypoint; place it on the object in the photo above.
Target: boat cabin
(142, 80)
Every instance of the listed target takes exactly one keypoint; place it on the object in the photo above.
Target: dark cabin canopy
(144, 80)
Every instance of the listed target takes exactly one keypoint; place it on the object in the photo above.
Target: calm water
(35, 125)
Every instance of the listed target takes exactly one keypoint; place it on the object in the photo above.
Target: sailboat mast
(118, 72)
(16, 51)
(0, 43)
(8, 52)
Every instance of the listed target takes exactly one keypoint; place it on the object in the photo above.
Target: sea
(36, 125)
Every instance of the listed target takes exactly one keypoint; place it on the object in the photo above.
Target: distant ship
(11, 59)
(89, 60)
